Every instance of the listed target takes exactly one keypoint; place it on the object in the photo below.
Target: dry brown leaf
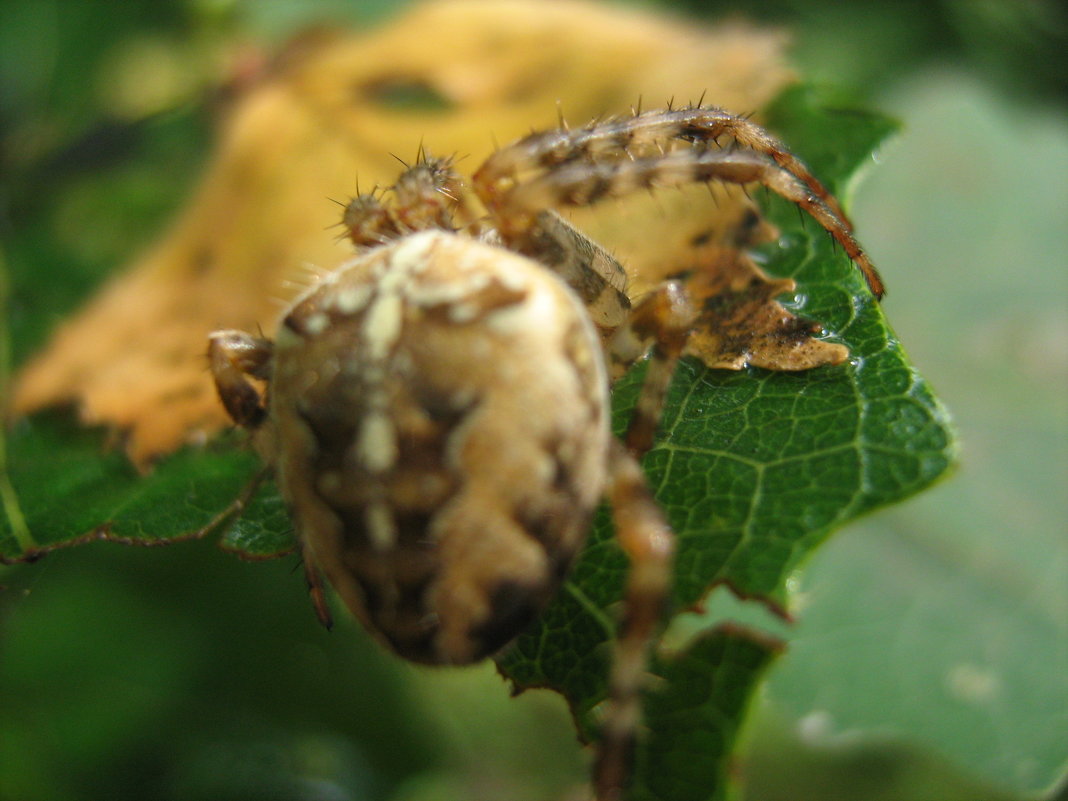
(742, 324)
(133, 358)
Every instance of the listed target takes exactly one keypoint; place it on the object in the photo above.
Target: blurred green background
(930, 656)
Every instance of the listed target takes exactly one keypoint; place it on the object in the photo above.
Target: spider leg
(663, 318)
(581, 184)
(428, 194)
(643, 135)
(647, 539)
(234, 356)
(317, 593)
(368, 222)
(599, 280)
(660, 325)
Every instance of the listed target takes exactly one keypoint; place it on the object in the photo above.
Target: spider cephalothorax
(437, 408)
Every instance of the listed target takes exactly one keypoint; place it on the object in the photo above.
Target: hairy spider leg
(427, 194)
(368, 222)
(591, 271)
(645, 536)
(234, 356)
(660, 325)
(647, 134)
(513, 203)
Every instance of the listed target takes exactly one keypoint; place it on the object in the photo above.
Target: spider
(436, 409)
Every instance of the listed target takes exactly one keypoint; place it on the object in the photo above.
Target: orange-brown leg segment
(664, 318)
(317, 593)
(659, 325)
(647, 539)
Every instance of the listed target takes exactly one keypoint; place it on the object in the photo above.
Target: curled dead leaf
(339, 107)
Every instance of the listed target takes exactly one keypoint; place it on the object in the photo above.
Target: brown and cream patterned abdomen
(441, 414)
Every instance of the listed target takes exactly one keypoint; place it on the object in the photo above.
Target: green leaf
(756, 468)
(71, 489)
(696, 709)
(263, 530)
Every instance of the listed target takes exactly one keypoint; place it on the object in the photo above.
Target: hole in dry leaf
(403, 93)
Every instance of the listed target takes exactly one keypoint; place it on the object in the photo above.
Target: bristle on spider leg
(313, 269)
(712, 193)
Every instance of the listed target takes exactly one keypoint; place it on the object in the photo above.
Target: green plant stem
(8, 497)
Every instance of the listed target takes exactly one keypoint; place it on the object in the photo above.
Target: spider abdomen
(440, 413)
